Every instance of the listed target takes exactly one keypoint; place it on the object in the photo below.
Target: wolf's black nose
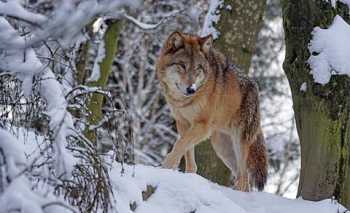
(190, 90)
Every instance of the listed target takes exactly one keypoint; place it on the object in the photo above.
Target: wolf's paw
(242, 184)
(170, 162)
(191, 169)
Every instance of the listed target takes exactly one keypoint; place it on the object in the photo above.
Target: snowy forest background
(69, 129)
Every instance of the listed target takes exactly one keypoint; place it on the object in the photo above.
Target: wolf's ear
(174, 42)
(206, 43)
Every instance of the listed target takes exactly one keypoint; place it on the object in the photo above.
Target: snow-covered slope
(176, 192)
(146, 189)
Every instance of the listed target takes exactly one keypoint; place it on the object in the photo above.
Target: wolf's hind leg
(222, 144)
(191, 166)
(242, 183)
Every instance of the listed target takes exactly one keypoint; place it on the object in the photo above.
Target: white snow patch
(303, 87)
(346, 2)
(96, 26)
(15, 9)
(212, 18)
(18, 195)
(23, 62)
(96, 73)
(79, 14)
(177, 192)
(13, 151)
(332, 47)
(334, 2)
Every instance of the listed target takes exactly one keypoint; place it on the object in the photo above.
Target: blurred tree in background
(276, 104)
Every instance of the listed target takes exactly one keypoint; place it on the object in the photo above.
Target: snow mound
(330, 50)
(148, 189)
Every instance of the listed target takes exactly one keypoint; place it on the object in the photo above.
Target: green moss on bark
(210, 166)
(82, 62)
(96, 101)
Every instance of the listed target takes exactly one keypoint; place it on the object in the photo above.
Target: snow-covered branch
(79, 14)
(145, 26)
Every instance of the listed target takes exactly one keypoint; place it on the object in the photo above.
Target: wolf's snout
(191, 89)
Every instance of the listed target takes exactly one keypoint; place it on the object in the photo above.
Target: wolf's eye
(200, 70)
(181, 68)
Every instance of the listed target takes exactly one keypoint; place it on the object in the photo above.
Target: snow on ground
(331, 51)
(173, 191)
(177, 192)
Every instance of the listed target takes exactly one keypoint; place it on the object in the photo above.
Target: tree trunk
(238, 27)
(96, 100)
(82, 62)
(321, 112)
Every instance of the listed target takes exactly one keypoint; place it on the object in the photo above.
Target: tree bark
(321, 112)
(82, 62)
(238, 27)
(96, 101)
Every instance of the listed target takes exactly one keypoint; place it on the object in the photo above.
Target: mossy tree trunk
(322, 111)
(82, 61)
(96, 101)
(238, 29)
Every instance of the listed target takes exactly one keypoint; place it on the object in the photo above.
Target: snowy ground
(177, 192)
(146, 189)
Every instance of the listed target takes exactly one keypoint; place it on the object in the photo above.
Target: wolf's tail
(257, 162)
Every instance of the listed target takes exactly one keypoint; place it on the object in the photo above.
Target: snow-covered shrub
(16, 194)
(39, 44)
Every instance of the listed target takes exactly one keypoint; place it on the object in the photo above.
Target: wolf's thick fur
(209, 98)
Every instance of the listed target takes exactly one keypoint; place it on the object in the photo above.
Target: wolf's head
(183, 65)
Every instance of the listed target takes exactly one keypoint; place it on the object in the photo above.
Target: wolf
(210, 98)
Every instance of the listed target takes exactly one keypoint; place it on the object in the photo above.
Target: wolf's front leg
(182, 127)
(191, 166)
(186, 142)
